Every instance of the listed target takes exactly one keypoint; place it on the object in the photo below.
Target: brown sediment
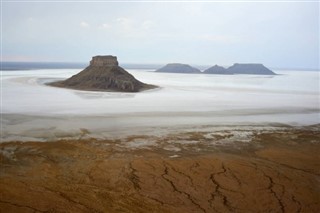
(267, 171)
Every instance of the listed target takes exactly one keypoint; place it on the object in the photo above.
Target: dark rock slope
(178, 68)
(104, 74)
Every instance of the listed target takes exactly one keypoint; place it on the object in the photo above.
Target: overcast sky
(279, 35)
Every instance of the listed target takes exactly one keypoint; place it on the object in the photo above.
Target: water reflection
(103, 95)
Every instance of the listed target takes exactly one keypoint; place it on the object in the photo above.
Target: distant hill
(217, 70)
(104, 74)
(254, 69)
(178, 68)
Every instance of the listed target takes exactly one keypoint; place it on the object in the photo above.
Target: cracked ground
(246, 170)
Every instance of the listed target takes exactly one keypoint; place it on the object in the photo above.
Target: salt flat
(30, 109)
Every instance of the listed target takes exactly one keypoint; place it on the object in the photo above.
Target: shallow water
(25, 92)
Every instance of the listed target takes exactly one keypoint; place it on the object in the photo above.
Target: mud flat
(274, 169)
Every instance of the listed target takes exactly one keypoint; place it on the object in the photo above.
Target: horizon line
(159, 63)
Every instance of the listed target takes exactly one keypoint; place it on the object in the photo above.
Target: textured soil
(224, 171)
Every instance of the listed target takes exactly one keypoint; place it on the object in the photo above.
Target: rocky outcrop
(254, 69)
(100, 61)
(104, 74)
(217, 70)
(178, 68)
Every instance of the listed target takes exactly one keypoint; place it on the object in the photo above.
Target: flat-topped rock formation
(254, 69)
(104, 74)
(178, 68)
(217, 70)
(100, 61)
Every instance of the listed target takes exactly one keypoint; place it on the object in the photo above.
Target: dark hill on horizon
(104, 74)
(178, 68)
(217, 70)
(251, 69)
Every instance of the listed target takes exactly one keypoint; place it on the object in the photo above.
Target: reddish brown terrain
(244, 170)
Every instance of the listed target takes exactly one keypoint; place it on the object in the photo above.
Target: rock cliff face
(254, 69)
(100, 61)
(217, 70)
(104, 74)
(178, 68)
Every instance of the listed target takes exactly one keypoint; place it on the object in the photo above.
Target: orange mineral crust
(225, 171)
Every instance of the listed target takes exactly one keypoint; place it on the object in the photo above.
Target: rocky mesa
(104, 74)
(251, 69)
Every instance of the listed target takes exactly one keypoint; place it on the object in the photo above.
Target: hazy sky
(281, 35)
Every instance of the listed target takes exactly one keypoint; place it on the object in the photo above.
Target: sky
(278, 34)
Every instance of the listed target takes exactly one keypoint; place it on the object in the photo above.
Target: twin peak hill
(104, 74)
(251, 69)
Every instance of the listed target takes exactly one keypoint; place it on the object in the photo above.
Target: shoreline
(23, 127)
